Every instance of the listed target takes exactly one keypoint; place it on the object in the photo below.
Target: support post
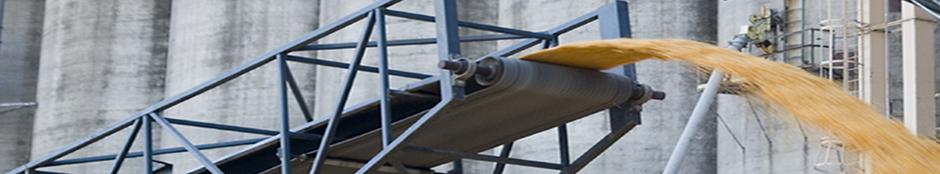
(119, 159)
(353, 68)
(695, 121)
(386, 108)
(614, 20)
(598, 147)
(563, 150)
(448, 45)
(873, 79)
(285, 113)
(148, 144)
(295, 90)
(918, 63)
(503, 154)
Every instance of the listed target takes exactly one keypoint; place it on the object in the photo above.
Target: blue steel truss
(613, 20)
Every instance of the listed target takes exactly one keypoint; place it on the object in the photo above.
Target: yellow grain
(808, 98)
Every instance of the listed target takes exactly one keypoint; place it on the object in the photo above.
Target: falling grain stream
(888, 146)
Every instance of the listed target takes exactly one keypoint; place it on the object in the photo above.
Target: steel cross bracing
(613, 20)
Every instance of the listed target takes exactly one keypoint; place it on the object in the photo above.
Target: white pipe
(695, 121)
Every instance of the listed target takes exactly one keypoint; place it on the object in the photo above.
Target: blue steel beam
(221, 126)
(285, 132)
(448, 42)
(473, 25)
(335, 64)
(155, 152)
(333, 122)
(404, 42)
(298, 95)
(100, 134)
(561, 29)
(148, 144)
(614, 21)
(598, 148)
(404, 136)
(448, 47)
(186, 144)
(521, 162)
(119, 159)
(385, 106)
(504, 154)
(563, 149)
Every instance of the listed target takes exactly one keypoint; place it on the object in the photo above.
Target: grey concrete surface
(647, 147)
(101, 61)
(209, 37)
(19, 54)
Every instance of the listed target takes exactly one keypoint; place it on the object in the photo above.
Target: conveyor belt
(524, 98)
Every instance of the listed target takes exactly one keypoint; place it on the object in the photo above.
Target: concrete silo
(101, 61)
(19, 52)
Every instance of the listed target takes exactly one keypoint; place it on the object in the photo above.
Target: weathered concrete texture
(19, 52)
(753, 138)
(209, 37)
(895, 68)
(647, 147)
(101, 61)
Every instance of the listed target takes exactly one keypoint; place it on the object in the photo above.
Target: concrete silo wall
(19, 52)
(101, 61)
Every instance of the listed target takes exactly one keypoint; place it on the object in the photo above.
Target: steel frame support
(295, 90)
(148, 144)
(119, 159)
(154, 152)
(186, 144)
(405, 42)
(448, 45)
(614, 24)
(285, 133)
(521, 162)
(208, 85)
(333, 121)
(335, 64)
(384, 103)
(473, 25)
(598, 147)
(221, 126)
(503, 154)
(448, 48)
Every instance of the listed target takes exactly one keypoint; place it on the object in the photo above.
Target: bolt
(658, 95)
(456, 66)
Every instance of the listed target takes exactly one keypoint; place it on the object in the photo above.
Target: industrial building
(434, 86)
